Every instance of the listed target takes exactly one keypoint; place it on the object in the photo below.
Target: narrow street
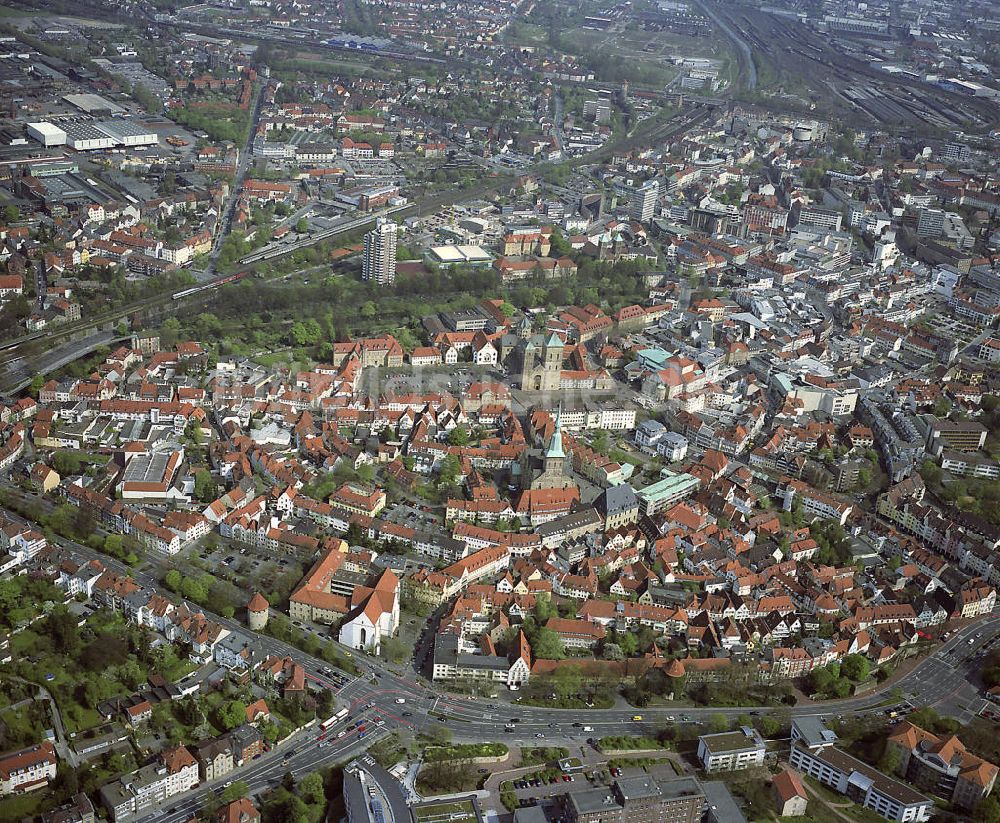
(63, 748)
(246, 157)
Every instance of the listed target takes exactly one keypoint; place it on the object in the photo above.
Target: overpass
(274, 250)
(20, 371)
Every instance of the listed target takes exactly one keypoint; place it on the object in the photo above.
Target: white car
(400, 700)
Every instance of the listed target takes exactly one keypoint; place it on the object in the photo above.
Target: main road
(401, 701)
(938, 681)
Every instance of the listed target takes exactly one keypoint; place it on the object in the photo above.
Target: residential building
(789, 794)
(731, 751)
(379, 262)
(27, 769)
(134, 795)
(941, 765)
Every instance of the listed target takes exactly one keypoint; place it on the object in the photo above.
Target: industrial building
(127, 132)
(47, 134)
(88, 135)
(93, 104)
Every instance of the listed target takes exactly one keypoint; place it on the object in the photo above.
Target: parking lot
(246, 568)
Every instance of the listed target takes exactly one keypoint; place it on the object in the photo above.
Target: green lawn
(538, 755)
(25, 806)
(461, 751)
(818, 811)
(461, 812)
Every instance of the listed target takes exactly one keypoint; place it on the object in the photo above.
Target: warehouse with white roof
(462, 255)
(127, 132)
(47, 134)
(86, 137)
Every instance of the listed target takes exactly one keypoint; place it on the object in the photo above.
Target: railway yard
(836, 73)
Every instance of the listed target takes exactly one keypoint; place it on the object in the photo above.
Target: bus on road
(326, 724)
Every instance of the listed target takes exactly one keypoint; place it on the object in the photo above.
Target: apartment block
(731, 751)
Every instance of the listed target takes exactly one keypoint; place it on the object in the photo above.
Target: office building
(664, 493)
(963, 436)
(379, 264)
(638, 800)
(955, 153)
(861, 783)
(642, 203)
(820, 218)
(371, 794)
(930, 223)
(597, 110)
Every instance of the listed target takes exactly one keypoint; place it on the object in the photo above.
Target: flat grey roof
(730, 742)
(722, 807)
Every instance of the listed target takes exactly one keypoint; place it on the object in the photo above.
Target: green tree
(172, 580)
(769, 726)
(987, 811)
(437, 736)
(11, 214)
(306, 333)
(856, 667)
(628, 643)
(547, 645)
(232, 714)
(601, 441)
(302, 226)
(204, 486)
(718, 722)
(114, 545)
(890, 761)
(66, 463)
(310, 789)
(612, 651)
(458, 436)
(449, 471)
(271, 732)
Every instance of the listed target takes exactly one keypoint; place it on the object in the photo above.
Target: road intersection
(941, 680)
(944, 680)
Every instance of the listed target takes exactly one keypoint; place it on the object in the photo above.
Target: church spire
(555, 448)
